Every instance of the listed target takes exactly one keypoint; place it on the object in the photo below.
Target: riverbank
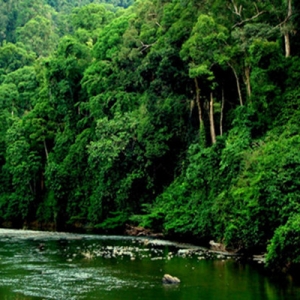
(60, 265)
(185, 250)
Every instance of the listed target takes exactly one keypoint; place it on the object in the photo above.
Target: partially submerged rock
(217, 246)
(140, 231)
(168, 279)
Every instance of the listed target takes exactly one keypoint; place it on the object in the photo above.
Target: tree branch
(144, 47)
(257, 10)
(249, 19)
(237, 11)
(284, 21)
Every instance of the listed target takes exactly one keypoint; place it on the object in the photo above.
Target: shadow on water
(67, 266)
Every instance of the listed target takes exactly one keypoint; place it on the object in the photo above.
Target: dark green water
(66, 266)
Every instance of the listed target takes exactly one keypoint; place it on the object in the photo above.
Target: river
(63, 266)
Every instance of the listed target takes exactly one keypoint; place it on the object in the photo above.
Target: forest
(180, 116)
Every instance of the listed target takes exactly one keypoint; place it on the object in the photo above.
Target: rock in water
(217, 246)
(41, 247)
(168, 279)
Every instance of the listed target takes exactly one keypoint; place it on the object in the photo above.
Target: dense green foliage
(177, 115)
(283, 251)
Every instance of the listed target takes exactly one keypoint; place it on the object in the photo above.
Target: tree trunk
(202, 134)
(211, 119)
(247, 80)
(287, 44)
(289, 8)
(237, 84)
(286, 33)
(222, 112)
(46, 149)
(198, 102)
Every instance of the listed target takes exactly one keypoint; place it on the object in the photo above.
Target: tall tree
(205, 49)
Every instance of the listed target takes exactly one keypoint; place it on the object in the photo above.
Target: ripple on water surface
(62, 266)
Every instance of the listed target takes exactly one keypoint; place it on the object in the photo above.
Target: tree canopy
(181, 116)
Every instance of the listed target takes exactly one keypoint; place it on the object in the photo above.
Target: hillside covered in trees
(177, 115)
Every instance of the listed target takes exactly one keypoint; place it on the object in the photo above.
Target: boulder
(168, 279)
(140, 231)
(217, 246)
